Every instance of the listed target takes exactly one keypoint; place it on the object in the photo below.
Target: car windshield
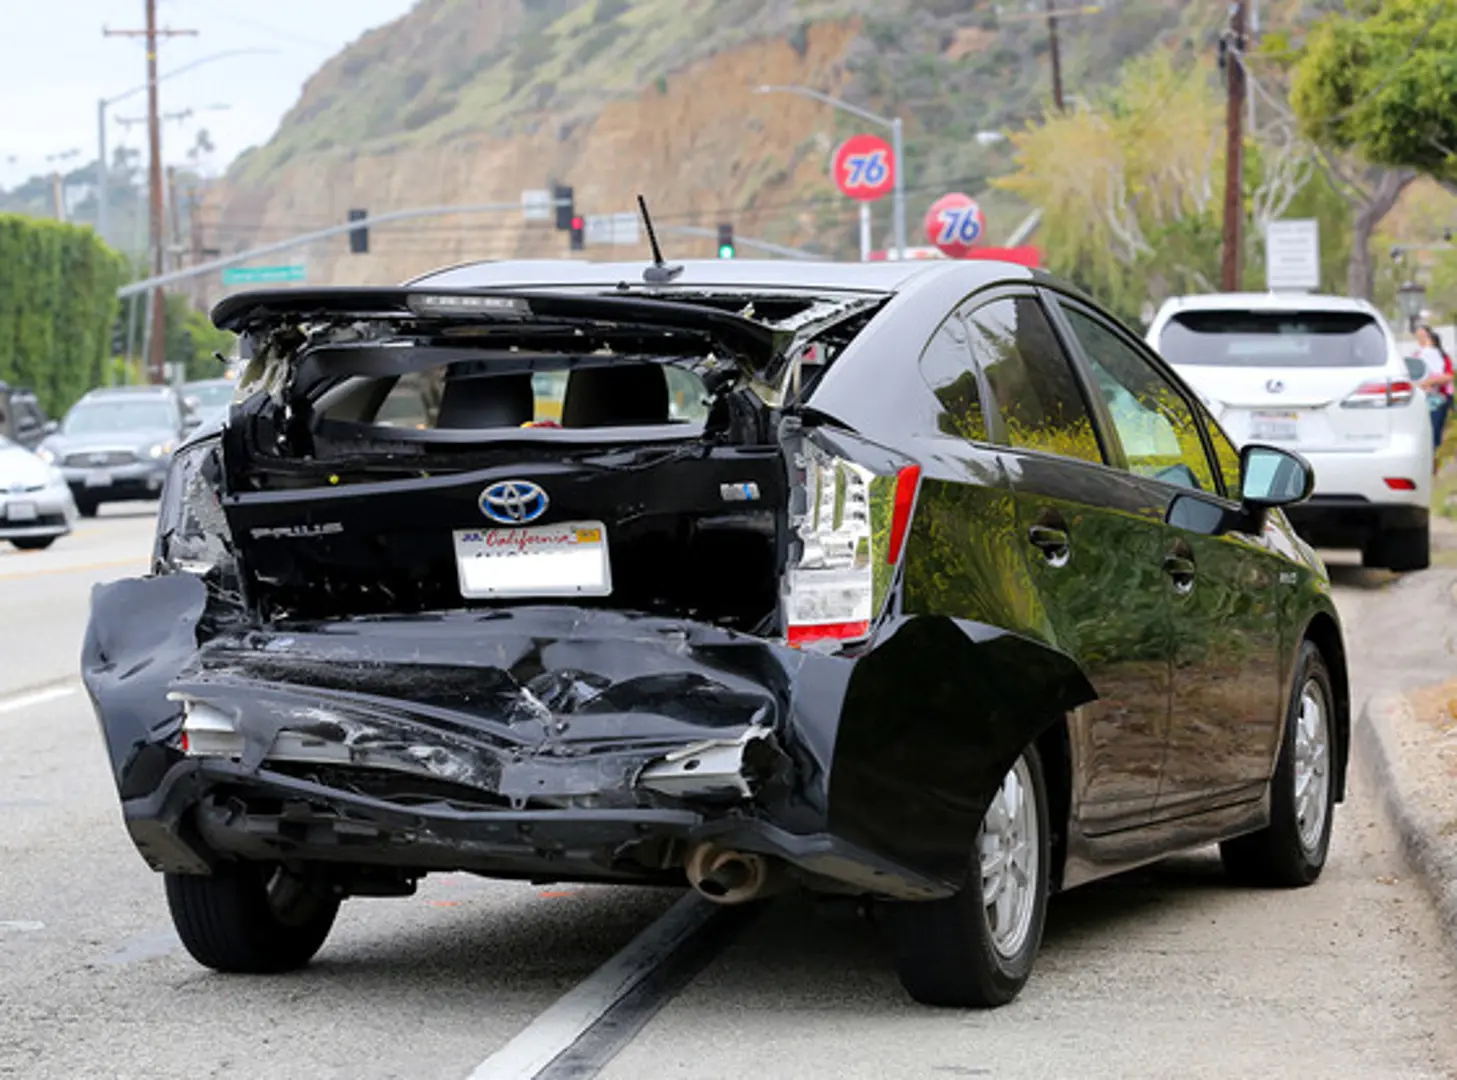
(210, 395)
(1258, 339)
(104, 417)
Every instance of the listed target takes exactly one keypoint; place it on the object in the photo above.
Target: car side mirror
(50, 427)
(190, 423)
(1270, 477)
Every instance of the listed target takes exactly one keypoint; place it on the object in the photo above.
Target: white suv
(1321, 375)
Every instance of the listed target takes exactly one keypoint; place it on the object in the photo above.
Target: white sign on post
(1292, 255)
(536, 205)
(610, 229)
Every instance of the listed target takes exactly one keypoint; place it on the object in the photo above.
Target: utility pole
(1056, 55)
(157, 342)
(58, 196)
(1234, 202)
(175, 212)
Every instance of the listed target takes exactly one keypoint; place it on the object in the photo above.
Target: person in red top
(1437, 383)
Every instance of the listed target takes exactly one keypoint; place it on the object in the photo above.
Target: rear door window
(1034, 393)
(1285, 339)
(1154, 420)
(947, 367)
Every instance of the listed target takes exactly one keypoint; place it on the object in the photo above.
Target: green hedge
(58, 287)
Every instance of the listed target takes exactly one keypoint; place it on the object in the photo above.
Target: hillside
(471, 101)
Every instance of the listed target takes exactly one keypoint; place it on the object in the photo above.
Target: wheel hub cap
(1008, 844)
(1312, 766)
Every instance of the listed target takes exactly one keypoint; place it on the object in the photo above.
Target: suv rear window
(1345, 339)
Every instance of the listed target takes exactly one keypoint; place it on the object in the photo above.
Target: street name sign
(262, 275)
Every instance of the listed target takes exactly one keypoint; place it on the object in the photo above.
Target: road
(1167, 972)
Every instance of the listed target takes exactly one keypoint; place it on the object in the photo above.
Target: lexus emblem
(513, 502)
(1275, 386)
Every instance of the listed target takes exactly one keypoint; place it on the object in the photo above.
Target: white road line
(35, 697)
(22, 925)
(579, 1008)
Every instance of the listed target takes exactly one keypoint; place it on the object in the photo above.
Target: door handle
(1052, 542)
(1181, 570)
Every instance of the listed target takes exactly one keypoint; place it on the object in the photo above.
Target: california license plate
(1275, 426)
(97, 478)
(546, 560)
(21, 511)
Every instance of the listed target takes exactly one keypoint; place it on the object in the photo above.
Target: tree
(1131, 187)
(1379, 84)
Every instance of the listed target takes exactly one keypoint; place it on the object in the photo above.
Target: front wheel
(251, 918)
(1291, 850)
(33, 543)
(976, 949)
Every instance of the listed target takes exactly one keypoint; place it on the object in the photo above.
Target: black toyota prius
(925, 583)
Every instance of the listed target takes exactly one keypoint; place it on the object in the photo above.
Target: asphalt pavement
(1167, 972)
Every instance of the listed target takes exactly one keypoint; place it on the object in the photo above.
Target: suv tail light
(1380, 394)
(848, 534)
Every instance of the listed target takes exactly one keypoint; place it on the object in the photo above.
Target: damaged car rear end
(550, 585)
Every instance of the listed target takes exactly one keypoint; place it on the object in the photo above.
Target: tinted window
(1155, 423)
(1274, 339)
(946, 365)
(1030, 381)
(1225, 454)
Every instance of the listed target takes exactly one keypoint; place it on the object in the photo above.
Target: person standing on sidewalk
(1437, 383)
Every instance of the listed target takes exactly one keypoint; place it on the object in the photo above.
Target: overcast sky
(55, 64)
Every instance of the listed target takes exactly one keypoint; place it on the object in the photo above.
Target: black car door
(1221, 582)
(1092, 540)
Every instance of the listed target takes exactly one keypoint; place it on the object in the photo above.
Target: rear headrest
(487, 401)
(621, 395)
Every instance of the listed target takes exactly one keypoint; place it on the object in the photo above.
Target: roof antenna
(660, 273)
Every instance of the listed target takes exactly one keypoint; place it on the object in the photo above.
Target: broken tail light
(192, 531)
(1380, 394)
(849, 528)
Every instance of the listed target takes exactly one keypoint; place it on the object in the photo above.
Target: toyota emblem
(1275, 386)
(513, 502)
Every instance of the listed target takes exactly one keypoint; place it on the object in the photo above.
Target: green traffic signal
(725, 251)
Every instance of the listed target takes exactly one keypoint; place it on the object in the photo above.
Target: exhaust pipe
(729, 877)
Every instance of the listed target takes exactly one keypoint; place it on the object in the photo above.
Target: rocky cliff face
(474, 101)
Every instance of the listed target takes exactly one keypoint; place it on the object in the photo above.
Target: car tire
(947, 952)
(33, 543)
(1291, 851)
(251, 918)
(1400, 550)
(87, 507)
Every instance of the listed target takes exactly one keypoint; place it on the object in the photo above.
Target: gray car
(115, 444)
(35, 503)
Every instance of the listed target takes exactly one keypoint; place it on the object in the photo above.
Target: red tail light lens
(1380, 394)
(1400, 483)
(905, 497)
(846, 631)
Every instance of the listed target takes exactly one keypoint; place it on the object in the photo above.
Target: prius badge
(513, 502)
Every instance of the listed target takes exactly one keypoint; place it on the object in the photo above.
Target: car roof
(128, 391)
(1266, 301)
(722, 274)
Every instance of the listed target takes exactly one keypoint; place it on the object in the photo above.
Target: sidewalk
(1406, 738)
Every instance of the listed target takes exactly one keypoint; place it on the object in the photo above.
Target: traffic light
(358, 238)
(578, 229)
(725, 241)
(566, 207)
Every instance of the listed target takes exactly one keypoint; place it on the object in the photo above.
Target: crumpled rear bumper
(517, 743)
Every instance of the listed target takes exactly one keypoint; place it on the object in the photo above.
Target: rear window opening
(1284, 339)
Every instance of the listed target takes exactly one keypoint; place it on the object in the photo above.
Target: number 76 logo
(866, 170)
(959, 225)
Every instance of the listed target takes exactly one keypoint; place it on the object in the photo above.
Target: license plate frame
(21, 512)
(570, 558)
(1271, 425)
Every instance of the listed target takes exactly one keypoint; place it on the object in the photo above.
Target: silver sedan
(35, 502)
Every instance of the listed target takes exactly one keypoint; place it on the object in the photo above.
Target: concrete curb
(1395, 768)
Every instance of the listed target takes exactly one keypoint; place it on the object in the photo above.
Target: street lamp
(102, 202)
(893, 122)
(1412, 296)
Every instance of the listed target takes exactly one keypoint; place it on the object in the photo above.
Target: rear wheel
(251, 918)
(1401, 550)
(33, 543)
(976, 949)
(1291, 850)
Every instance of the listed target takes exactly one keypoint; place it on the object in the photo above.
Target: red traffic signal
(578, 231)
